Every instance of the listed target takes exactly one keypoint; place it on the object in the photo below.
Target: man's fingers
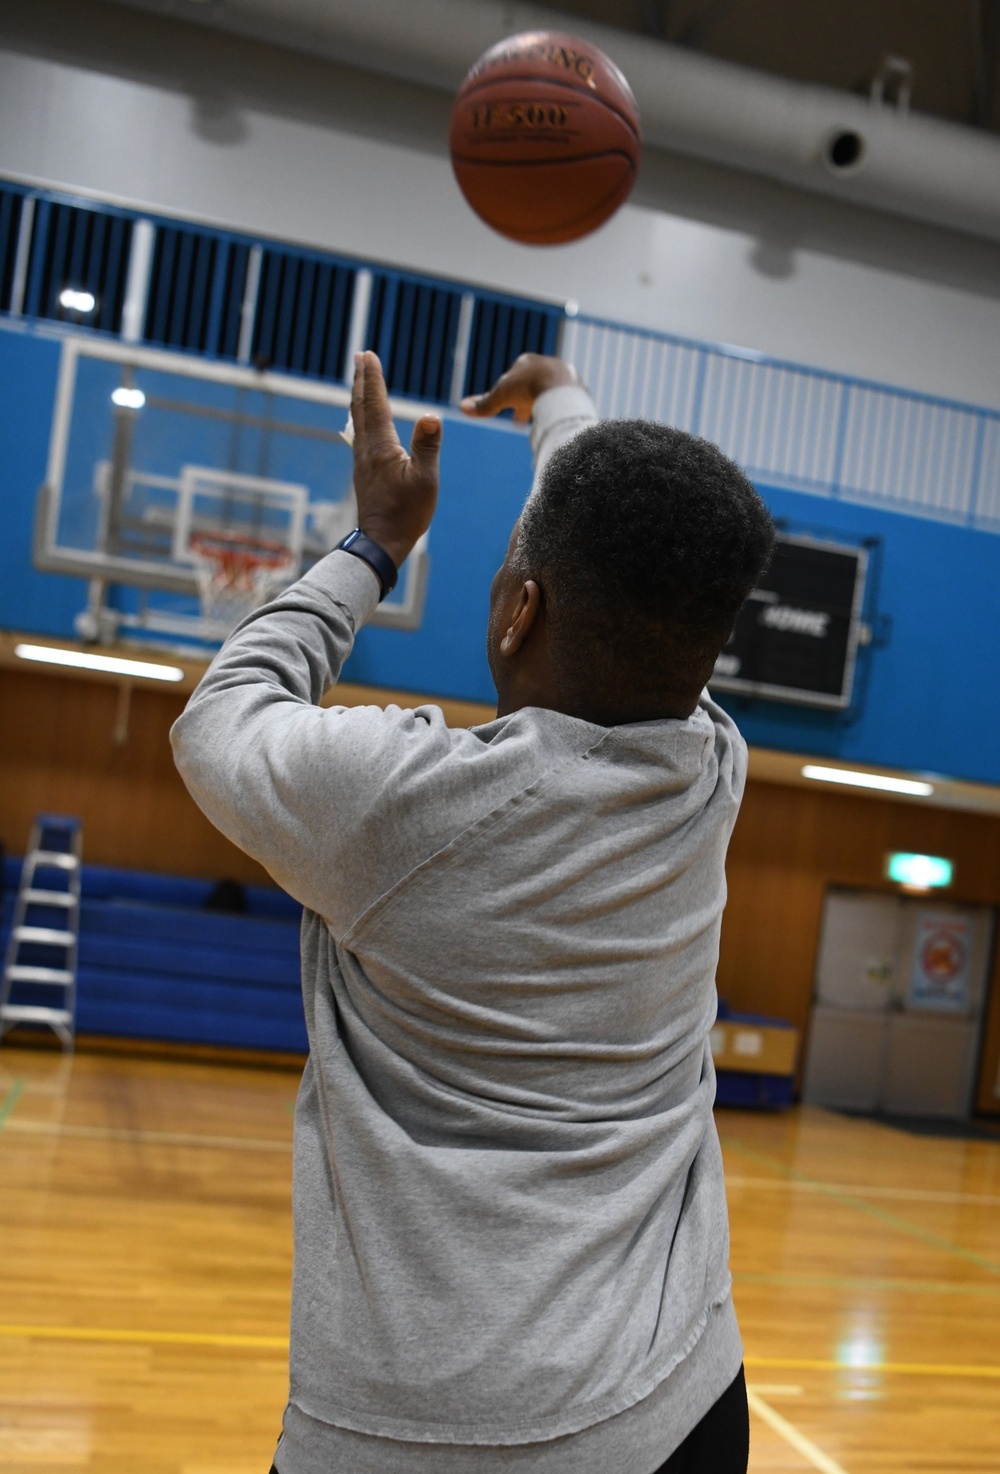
(378, 424)
(357, 395)
(489, 403)
(475, 404)
(528, 377)
(425, 447)
(507, 393)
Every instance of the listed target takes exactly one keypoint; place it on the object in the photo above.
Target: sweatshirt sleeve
(262, 758)
(558, 415)
(337, 803)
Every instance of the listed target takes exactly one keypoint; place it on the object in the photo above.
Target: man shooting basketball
(511, 1237)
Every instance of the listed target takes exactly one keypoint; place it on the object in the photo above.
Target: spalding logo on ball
(545, 138)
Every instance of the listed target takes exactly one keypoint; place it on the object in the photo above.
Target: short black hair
(645, 541)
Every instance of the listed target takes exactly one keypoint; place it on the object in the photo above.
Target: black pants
(720, 1444)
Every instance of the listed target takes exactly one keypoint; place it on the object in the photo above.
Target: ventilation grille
(196, 291)
(11, 207)
(303, 314)
(84, 249)
(502, 330)
(412, 326)
(229, 297)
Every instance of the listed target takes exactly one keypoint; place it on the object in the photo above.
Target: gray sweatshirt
(511, 1238)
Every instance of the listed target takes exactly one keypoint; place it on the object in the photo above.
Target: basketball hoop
(237, 574)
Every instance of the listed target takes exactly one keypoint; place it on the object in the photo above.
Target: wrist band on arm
(377, 558)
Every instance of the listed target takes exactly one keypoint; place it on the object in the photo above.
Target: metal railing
(802, 428)
(790, 426)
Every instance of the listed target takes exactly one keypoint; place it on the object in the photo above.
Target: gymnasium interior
(207, 207)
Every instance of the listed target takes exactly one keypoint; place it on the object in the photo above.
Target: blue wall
(931, 697)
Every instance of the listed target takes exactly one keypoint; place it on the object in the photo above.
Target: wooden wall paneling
(57, 753)
(791, 844)
(988, 1087)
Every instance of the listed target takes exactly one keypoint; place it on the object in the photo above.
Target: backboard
(152, 452)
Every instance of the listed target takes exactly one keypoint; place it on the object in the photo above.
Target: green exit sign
(922, 872)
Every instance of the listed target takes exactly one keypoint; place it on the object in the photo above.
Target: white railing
(801, 428)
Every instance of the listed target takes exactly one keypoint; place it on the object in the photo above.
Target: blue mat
(155, 964)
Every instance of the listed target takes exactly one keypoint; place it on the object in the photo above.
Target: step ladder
(39, 974)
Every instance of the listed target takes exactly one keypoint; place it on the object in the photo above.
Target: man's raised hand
(517, 389)
(396, 492)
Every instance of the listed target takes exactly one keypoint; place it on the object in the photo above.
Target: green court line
(847, 1282)
(10, 1101)
(848, 1200)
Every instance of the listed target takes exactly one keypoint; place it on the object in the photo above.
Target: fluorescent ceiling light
(76, 300)
(128, 398)
(855, 779)
(112, 664)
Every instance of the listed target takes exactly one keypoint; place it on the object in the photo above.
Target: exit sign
(922, 872)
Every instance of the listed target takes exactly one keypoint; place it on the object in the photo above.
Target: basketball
(545, 138)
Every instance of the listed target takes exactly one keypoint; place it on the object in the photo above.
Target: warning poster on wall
(942, 961)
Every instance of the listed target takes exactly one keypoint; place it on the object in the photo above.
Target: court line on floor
(908, 1194)
(157, 1138)
(851, 1200)
(10, 1100)
(788, 1431)
(899, 1368)
(151, 1338)
(859, 1282)
(280, 1343)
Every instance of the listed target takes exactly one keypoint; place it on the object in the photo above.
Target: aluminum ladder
(39, 974)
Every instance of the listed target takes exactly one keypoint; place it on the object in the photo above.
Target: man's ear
(522, 618)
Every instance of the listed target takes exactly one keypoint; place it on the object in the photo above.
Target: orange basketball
(545, 138)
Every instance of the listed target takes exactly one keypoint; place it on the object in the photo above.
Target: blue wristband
(377, 558)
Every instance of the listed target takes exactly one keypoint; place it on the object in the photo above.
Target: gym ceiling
(945, 53)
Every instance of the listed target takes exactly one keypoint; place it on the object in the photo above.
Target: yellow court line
(152, 1338)
(280, 1343)
(903, 1368)
(788, 1431)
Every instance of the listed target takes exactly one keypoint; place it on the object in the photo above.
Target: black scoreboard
(796, 637)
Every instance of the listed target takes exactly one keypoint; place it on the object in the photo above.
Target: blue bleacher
(155, 964)
(750, 1089)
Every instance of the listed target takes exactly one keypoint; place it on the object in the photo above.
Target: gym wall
(57, 751)
(181, 119)
(924, 700)
(177, 119)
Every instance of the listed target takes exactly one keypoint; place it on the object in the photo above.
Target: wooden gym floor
(145, 1253)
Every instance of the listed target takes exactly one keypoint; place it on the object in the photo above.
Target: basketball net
(237, 574)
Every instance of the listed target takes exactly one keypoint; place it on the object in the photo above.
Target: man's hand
(396, 492)
(517, 389)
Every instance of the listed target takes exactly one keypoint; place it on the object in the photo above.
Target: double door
(897, 1004)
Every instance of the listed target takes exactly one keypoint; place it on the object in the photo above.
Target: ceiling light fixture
(128, 398)
(112, 664)
(855, 779)
(76, 300)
